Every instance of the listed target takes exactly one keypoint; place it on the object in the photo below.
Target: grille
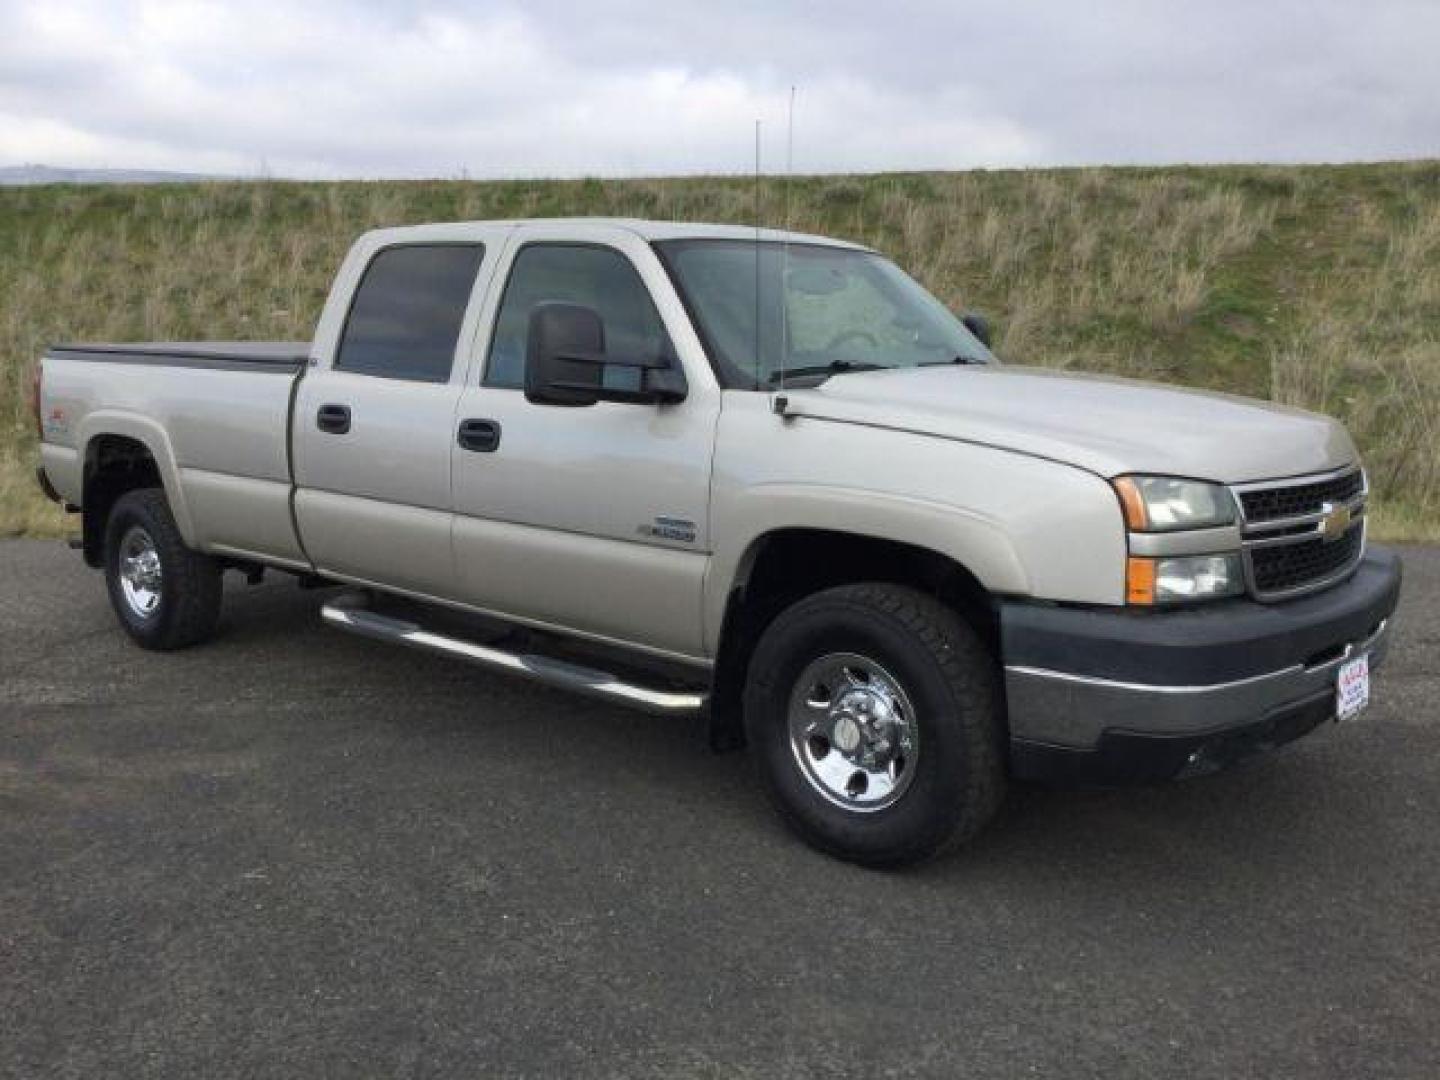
(1282, 533)
(1283, 567)
(1298, 500)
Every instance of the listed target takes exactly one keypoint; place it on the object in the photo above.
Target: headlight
(1185, 577)
(1164, 504)
(1167, 504)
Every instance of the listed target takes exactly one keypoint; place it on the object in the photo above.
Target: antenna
(789, 153)
(757, 254)
(785, 240)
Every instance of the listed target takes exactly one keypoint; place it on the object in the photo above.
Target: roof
(647, 230)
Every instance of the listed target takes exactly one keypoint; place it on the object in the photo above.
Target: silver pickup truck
(756, 475)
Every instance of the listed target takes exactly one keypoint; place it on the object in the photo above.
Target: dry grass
(1365, 346)
(1318, 286)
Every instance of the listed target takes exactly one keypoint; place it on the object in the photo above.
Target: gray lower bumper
(1117, 692)
(1065, 709)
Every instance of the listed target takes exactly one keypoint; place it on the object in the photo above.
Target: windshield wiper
(834, 367)
(947, 363)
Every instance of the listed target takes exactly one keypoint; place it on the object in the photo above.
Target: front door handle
(481, 436)
(333, 419)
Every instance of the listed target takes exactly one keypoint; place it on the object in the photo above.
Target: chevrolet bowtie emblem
(1334, 521)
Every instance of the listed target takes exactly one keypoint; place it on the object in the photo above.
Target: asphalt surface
(296, 853)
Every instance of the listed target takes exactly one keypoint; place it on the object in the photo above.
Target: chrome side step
(349, 612)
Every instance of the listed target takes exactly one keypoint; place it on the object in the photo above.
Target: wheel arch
(783, 565)
(122, 453)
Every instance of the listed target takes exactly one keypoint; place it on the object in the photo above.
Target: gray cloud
(563, 87)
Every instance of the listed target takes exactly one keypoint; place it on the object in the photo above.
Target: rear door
(594, 519)
(374, 419)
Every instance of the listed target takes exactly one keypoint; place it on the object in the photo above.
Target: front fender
(975, 542)
(1020, 525)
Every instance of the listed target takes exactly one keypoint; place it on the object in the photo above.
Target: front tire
(165, 595)
(874, 711)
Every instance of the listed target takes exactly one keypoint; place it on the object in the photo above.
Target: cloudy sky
(620, 87)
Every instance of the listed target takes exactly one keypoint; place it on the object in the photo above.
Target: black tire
(186, 609)
(944, 671)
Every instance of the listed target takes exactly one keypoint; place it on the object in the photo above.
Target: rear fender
(152, 436)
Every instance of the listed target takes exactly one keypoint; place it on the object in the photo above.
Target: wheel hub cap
(140, 572)
(853, 732)
(845, 734)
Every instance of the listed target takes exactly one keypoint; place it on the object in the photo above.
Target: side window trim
(489, 283)
(504, 276)
(460, 352)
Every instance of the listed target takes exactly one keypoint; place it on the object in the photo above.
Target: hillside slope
(1318, 286)
(51, 174)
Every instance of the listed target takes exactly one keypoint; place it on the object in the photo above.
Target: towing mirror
(978, 325)
(566, 363)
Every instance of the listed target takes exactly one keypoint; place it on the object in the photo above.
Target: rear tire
(165, 595)
(874, 712)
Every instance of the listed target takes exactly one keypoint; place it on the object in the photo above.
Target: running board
(349, 612)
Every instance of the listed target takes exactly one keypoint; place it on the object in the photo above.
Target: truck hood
(1104, 424)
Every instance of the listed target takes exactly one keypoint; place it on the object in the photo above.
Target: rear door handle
(481, 436)
(334, 419)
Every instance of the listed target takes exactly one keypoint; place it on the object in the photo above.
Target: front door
(592, 519)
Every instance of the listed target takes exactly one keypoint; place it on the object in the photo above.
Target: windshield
(840, 310)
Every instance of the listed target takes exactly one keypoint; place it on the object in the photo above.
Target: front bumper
(1122, 696)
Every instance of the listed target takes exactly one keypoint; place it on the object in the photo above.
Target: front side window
(808, 309)
(595, 277)
(405, 319)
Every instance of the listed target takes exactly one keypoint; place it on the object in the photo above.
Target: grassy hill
(1315, 286)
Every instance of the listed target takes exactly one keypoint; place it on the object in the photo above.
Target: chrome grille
(1301, 535)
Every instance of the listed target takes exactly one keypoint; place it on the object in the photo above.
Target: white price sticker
(1352, 688)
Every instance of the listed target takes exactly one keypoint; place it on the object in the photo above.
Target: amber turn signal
(1139, 580)
(1132, 502)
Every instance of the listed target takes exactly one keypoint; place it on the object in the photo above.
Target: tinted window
(599, 278)
(406, 316)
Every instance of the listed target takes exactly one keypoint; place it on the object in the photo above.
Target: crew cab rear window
(405, 318)
(597, 277)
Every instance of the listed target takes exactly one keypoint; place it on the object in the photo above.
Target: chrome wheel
(853, 732)
(140, 574)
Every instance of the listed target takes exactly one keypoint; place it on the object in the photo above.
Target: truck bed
(278, 355)
(214, 415)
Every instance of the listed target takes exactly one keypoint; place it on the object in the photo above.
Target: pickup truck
(758, 476)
